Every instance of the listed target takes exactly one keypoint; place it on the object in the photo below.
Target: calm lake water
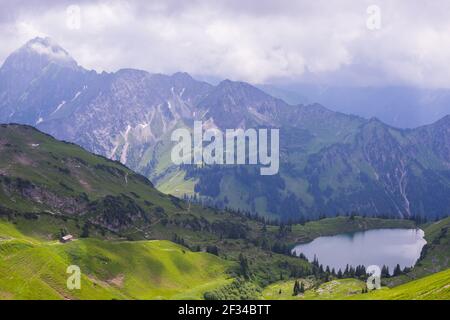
(372, 247)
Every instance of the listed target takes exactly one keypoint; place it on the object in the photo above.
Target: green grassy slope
(432, 287)
(332, 290)
(40, 174)
(36, 269)
(436, 254)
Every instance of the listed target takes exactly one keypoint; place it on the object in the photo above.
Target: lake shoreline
(385, 246)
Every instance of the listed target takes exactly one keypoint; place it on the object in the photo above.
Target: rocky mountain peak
(182, 76)
(48, 47)
(41, 52)
(237, 93)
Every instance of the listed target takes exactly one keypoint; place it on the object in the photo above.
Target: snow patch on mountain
(76, 96)
(123, 156)
(59, 107)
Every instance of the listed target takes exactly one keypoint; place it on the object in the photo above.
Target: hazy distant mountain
(330, 162)
(402, 107)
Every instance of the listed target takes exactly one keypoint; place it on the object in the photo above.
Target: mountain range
(330, 163)
(398, 106)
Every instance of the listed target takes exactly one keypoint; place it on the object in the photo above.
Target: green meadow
(432, 287)
(36, 269)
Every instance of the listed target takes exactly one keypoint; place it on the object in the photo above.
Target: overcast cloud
(255, 41)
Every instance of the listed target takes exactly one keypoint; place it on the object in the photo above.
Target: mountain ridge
(331, 163)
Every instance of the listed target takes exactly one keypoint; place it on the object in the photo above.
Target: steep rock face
(130, 105)
(389, 161)
(330, 162)
(237, 104)
(35, 78)
(42, 85)
(437, 137)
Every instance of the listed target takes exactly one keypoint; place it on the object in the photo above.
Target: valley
(134, 242)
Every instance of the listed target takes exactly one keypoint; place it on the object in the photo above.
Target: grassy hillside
(332, 290)
(36, 269)
(40, 174)
(435, 286)
(436, 253)
(432, 287)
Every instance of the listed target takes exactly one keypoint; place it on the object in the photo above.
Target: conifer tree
(296, 288)
(244, 268)
(385, 272)
(397, 270)
(346, 271)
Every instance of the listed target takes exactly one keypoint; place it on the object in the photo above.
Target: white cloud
(256, 41)
(54, 53)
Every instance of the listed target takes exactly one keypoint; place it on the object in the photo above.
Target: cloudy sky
(351, 42)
